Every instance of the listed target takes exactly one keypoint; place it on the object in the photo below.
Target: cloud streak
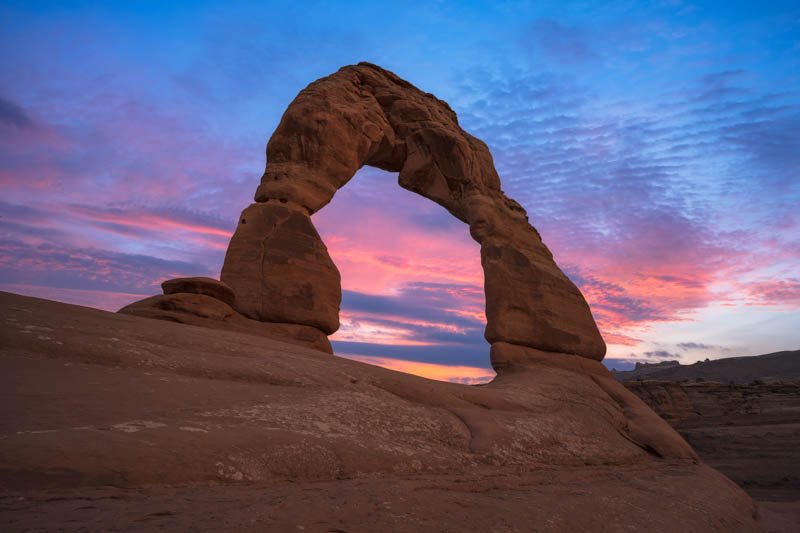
(656, 155)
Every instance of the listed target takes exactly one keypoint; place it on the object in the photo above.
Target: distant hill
(769, 368)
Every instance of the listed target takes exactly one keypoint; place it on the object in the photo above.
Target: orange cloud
(469, 375)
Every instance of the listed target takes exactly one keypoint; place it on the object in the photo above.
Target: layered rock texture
(281, 270)
(750, 432)
(110, 421)
(205, 286)
(207, 302)
(364, 115)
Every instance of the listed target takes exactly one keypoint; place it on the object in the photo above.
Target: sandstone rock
(668, 399)
(208, 312)
(529, 300)
(198, 305)
(749, 432)
(365, 115)
(207, 286)
(649, 432)
(289, 436)
(280, 269)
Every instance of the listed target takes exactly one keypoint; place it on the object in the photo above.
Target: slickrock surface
(365, 115)
(112, 420)
(751, 433)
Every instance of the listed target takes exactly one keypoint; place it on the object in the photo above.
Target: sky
(655, 146)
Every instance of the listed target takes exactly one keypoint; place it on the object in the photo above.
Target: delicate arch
(362, 115)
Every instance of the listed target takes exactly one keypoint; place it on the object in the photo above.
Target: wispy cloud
(50, 265)
(656, 154)
(648, 206)
(694, 346)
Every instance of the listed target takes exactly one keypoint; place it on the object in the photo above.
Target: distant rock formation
(769, 368)
(662, 364)
(747, 431)
(364, 115)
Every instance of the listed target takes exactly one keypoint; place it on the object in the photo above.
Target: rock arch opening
(363, 115)
(286, 285)
(412, 283)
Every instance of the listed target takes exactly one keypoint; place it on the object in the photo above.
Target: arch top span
(365, 115)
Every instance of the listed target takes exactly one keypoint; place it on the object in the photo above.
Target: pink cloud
(142, 219)
(772, 292)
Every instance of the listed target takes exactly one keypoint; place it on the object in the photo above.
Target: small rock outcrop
(362, 115)
(201, 309)
(207, 286)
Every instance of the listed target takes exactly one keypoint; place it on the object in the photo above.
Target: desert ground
(116, 422)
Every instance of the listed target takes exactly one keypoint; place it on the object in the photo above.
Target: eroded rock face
(529, 300)
(749, 432)
(208, 312)
(280, 269)
(281, 283)
(364, 115)
(198, 305)
(666, 398)
(206, 286)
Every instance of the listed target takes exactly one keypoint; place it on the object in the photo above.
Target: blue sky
(656, 147)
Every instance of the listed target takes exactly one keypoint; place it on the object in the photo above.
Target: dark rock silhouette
(769, 368)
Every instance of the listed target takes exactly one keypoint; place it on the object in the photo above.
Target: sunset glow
(656, 154)
(468, 375)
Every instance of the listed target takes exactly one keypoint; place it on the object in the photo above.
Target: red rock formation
(364, 115)
(207, 286)
(280, 269)
(208, 312)
(666, 398)
(749, 432)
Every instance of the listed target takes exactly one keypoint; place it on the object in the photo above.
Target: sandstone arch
(362, 115)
